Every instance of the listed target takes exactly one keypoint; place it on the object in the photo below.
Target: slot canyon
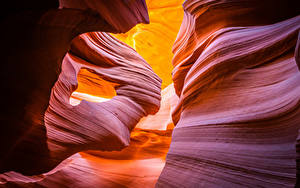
(150, 93)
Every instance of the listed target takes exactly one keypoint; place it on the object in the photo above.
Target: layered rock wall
(37, 134)
(238, 113)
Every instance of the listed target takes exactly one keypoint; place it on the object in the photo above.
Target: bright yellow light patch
(92, 88)
(154, 41)
(76, 98)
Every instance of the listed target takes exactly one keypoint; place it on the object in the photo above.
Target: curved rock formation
(138, 165)
(162, 120)
(238, 113)
(74, 128)
(121, 15)
(36, 40)
(154, 41)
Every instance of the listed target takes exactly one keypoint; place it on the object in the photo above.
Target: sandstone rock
(237, 118)
(36, 41)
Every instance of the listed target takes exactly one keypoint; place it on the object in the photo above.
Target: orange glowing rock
(238, 114)
(93, 84)
(138, 165)
(92, 88)
(37, 38)
(154, 41)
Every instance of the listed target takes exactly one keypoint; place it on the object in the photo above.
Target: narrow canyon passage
(150, 93)
(151, 137)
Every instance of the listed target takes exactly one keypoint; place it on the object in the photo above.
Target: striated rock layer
(236, 76)
(138, 165)
(106, 125)
(154, 41)
(238, 113)
(40, 128)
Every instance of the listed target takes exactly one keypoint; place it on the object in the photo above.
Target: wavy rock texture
(236, 76)
(297, 58)
(145, 154)
(138, 165)
(238, 113)
(154, 41)
(162, 120)
(134, 99)
(122, 15)
(36, 40)
(97, 61)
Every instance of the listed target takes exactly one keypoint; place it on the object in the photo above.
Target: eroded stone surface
(36, 41)
(238, 85)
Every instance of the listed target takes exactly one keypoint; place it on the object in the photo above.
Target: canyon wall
(43, 55)
(238, 113)
(84, 109)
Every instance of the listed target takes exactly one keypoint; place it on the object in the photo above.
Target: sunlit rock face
(92, 88)
(238, 113)
(76, 105)
(98, 81)
(41, 127)
(138, 165)
(106, 125)
(162, 120)
(154, 41)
